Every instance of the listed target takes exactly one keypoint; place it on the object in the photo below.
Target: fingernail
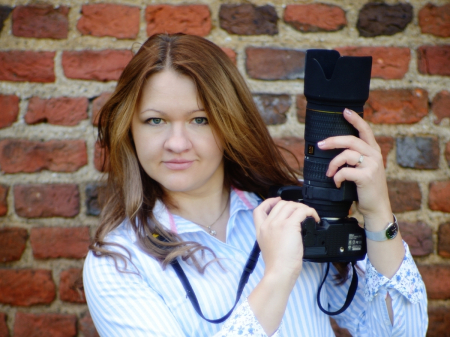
(348, 111)
(321, 143)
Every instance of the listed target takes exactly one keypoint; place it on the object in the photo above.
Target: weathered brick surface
(102, 19)
(31, 66)
(103, 65)
(10, 110)
(40, 201)
(101, 161)
(418, 152)
(3, 202)
(300, 104)
(435, 20)
(97, 104)
(58, 111)
(22, 155)
(439, 196)
(41, 21)
(447, 153)
(275, 64)
(56, 242)
(230, 53)
(439, 322)
(386, 144)
(437, 281)
(188, 19)
(247, 19)
(273, 107)
(70, 281)
(315, 17)
(12, 243)
(444, 240)
(418, 236)
(94, 199)
(296, 147)
(25, 287)
(54, 325)
(87, 327)
(404, 195)
(434, 60)
(376, 19)
(387, 62)
(4, 13)
(441, 106)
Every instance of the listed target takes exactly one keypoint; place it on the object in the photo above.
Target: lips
(178, 164)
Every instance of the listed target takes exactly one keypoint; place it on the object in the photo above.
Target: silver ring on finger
(360, 160)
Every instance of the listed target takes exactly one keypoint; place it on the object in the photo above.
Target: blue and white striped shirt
(150, 301)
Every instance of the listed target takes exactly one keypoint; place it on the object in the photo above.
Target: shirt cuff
(407, 280)
(243, 323)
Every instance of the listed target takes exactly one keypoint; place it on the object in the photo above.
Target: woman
(189, 158)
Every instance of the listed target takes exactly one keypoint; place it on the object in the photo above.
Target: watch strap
(383, 234)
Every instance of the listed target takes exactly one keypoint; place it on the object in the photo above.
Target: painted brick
(437, 281)
(275, 64)
(273, 107)
(296, 147)
(103, 65)
(97, 104)
(27, 66)
(419, 237)
(22, 155)
(435, 20)
(418, 152)
(87, 327)
(387, 62)
(247, 19)
(434, 60)
(3, 202)
(12, 243)
(187, 19)
(94, 199)
(231, 54)
(439, 321)
(69, 284)
(26, 287)
(386, 144)
(47, 200)
(66, 111)
(439, 196)
(56, 242)
(101, 159)
(118, 21)
(444, 240)
(377, 19)
(4, 13)
(441, 106)
(315, 17)
(10, 110)
(300, 104)
(404, 195)
(396, 106)
(447, 153)
(41, 21)
(52, 325)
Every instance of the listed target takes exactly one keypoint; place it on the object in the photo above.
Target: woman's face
(174, 142)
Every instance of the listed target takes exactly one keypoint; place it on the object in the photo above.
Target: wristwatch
(389, 233)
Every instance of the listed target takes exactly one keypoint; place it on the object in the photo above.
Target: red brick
(275, 64)
(41, 201)
(315, 17)
(404, 195)
(27, 66)
(22, 155)
(295, 153)
(437, 281)
(434, 60)
(101, 160)
(41, 21)
(447, 153)
(56, 242)
(103, 65)
(387, 62)
(435, 20)
(12, 243)
(439, 196)
(441, 106)
(118, 21)
(69, 284)
(187, 19)
(301, 108)
(58, 111)
(386, 144)
(4, 332)
(396, 106)
(87, 327)
(26, 287)
(97, 104)
(439, 322)
(10, 110)
(419, 237)
(36, 325)
(230, 53)
(444, 240)
(3, 202)
(272, 107)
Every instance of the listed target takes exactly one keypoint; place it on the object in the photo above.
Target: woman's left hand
(366, 169)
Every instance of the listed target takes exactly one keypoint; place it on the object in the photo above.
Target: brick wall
(60, 60)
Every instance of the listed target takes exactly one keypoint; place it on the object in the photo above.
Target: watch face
(391, 231)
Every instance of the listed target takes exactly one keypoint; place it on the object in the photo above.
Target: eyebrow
(165, 114)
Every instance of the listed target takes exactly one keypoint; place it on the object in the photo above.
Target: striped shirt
(149, 301)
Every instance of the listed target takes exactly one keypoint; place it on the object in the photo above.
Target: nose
(178, 139)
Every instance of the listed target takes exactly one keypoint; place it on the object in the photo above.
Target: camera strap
(351, 292)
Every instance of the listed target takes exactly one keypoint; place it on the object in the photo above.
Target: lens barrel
(332, 83)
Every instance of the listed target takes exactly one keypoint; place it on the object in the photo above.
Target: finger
(283, 210)
(301, 214)
(350, 174)
(365, 132)
(261, 212)
(347, 142)
(348, 157)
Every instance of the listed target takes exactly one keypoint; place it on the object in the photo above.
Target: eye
(200, 120)
(154, 121)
